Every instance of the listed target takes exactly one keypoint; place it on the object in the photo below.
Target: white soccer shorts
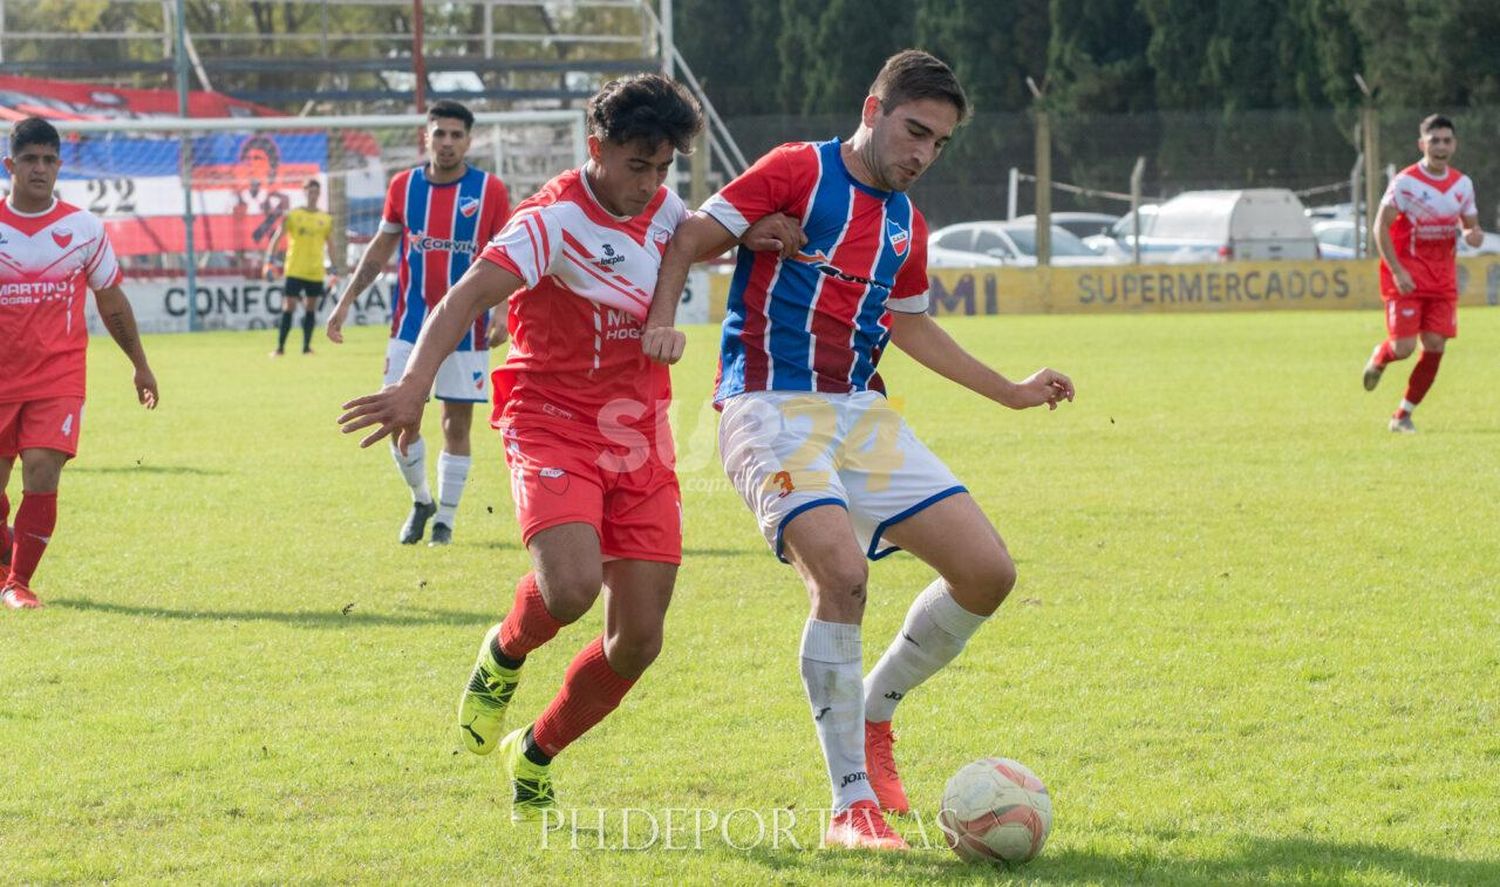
(788, 451)
(464, 376)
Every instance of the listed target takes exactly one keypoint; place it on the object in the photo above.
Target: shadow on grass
(1281, 860)
(411, 616)
(146, 469)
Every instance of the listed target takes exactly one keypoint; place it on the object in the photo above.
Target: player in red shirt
(1416, 233)
(583, 415)
(51, 254)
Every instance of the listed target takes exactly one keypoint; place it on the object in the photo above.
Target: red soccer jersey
(575, 351)
(48, 262)
(1425, 233)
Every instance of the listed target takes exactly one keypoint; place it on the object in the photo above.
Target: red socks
(1422, 376)
(528, 625)
(5, 540)
(1385, 354)
(590, 691)
(35, 521)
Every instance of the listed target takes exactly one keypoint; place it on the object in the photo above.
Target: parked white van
(1209, 226)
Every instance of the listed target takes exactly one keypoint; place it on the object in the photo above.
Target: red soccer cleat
(18, 597)
(881, 763)
(862, 827)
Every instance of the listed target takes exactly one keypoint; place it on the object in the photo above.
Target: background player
(441, 214)
(831, 471)
(53, 253)
(1416, 233)
(309, 234)
(584, 417)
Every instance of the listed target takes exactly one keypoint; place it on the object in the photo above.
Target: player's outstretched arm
(119, 319)
(930, 345)
(376, 255)
(397, 409)
(697, 239)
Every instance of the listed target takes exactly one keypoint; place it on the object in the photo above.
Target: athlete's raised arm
(397, 409)
(919, 336)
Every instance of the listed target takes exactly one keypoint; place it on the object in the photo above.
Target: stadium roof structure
(351, 57)
(505, 51)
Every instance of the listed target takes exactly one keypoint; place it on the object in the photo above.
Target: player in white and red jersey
(51, 255)
(583, 415)
(832, 473)
(1416, 233)
(441, 214)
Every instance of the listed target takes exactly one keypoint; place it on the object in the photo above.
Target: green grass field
(1256, 637)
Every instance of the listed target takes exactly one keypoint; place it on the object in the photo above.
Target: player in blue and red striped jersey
(441, 214)
(831, 471)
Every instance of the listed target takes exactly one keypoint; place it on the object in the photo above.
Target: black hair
(33, 131)
(911, 75)
(645, 108)
(1436, 121)
(452, 110)
(267, 146)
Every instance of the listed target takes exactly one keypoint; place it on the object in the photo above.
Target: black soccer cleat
(442, 534)
(416, 523)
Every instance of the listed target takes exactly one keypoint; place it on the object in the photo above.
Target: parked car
(1080, 225)
(1252, 224)
(1116, 242)
(976, 244)
(1336, 238)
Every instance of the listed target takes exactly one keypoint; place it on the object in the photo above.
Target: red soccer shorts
(628, 495)
(48, 423)
(1405, 317)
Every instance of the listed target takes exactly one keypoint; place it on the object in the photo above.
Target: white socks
(830, 673)
(413, 467)
(453, 473)
(936, 629)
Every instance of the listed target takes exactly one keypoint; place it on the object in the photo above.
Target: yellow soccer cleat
(481, 708)
(530, 782)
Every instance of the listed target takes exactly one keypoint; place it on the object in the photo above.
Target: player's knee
(630, 654)
(1403, 348)
(984, 582)
(838, 591)
(571, 594)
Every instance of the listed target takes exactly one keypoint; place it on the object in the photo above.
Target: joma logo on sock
(851, 778)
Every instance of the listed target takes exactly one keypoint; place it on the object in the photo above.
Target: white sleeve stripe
(916, 304)
(387, 227)
(724, 212)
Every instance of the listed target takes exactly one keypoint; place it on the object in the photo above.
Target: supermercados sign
(1230, 286)
(1114, 289)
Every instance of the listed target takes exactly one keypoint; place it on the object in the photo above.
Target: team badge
(898, 236)
(62, 236)
(468, 206)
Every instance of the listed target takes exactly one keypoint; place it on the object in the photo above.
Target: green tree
(992, 47)
(731, 48)
(1097, 56)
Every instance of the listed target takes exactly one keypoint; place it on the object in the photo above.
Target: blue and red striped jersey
(818, 321)
(443, 228)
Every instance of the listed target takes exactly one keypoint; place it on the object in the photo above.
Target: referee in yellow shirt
(308, 231)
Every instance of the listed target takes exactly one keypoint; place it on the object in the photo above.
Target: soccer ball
(995, 810)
